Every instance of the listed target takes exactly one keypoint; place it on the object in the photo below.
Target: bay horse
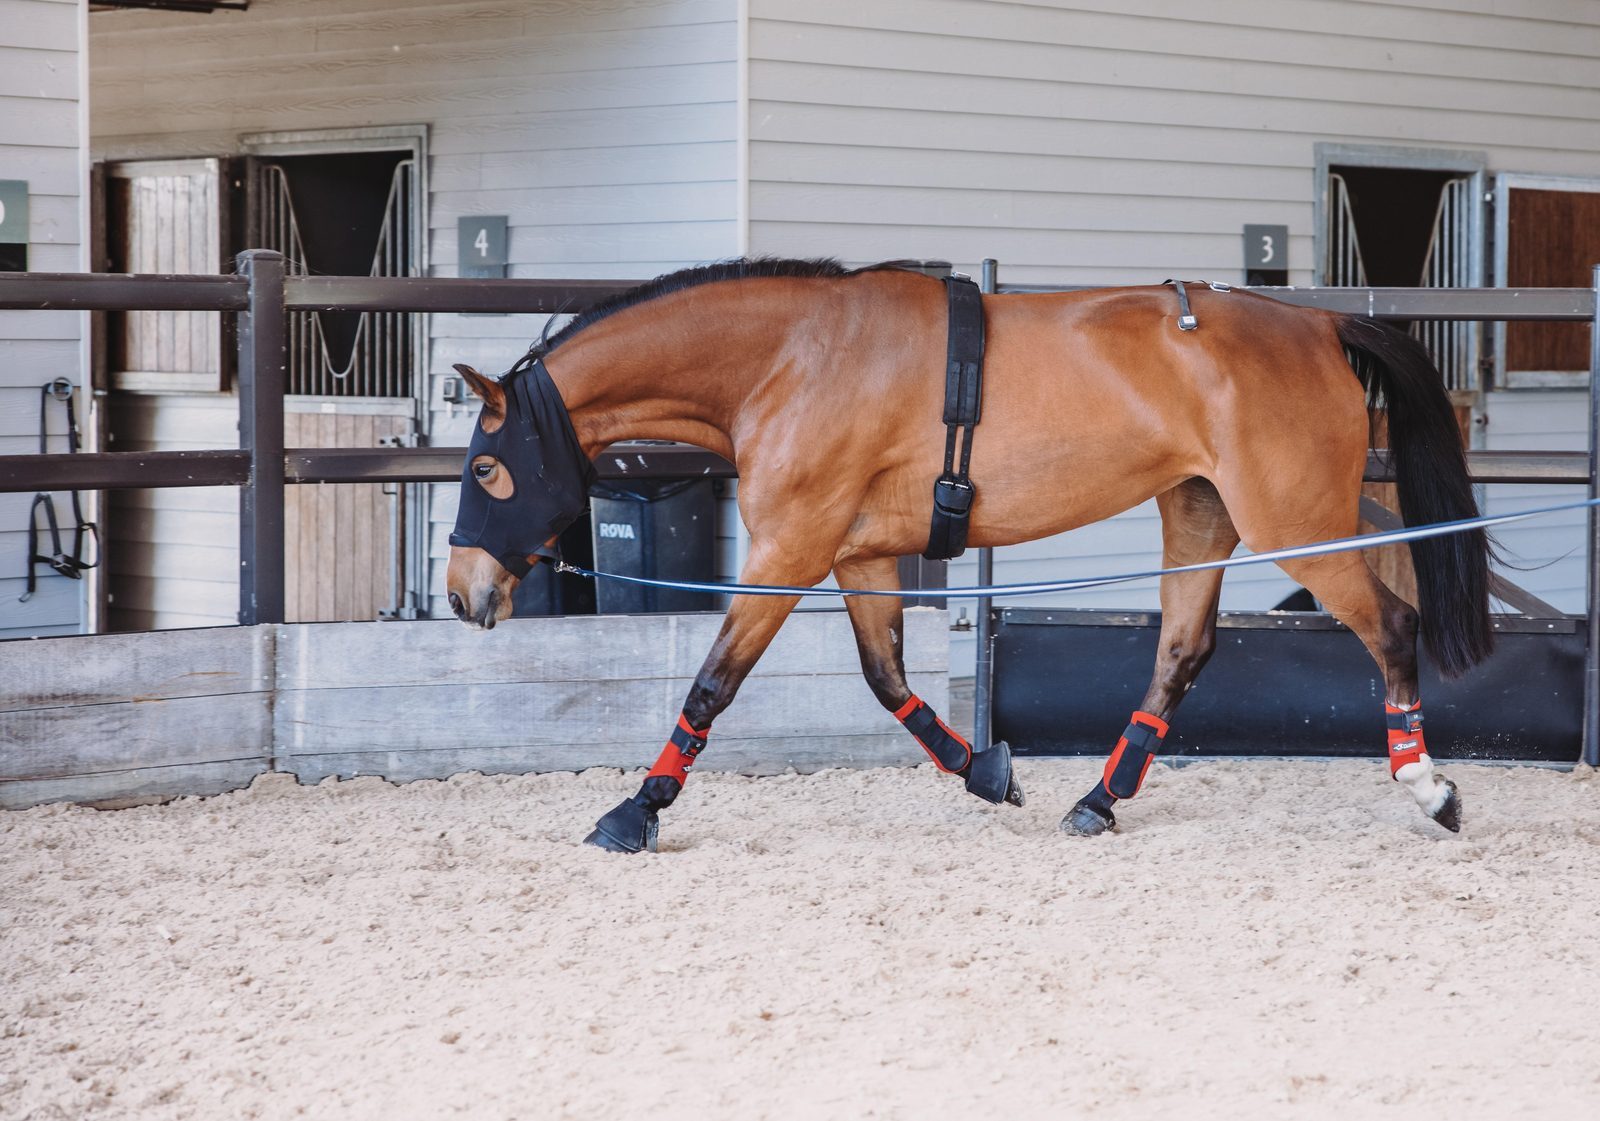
(824, 386)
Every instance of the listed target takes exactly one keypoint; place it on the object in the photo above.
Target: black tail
(1431, 471)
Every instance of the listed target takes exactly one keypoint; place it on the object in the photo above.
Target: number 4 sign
(481, 246)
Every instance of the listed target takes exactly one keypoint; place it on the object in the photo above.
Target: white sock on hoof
(1426, 787)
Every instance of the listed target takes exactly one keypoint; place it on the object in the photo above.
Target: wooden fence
(114, 718)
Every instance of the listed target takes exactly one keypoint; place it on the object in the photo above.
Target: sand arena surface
(1262, 939)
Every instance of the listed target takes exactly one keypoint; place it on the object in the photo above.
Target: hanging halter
(71, 565)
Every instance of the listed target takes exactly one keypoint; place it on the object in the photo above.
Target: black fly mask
(550, 474)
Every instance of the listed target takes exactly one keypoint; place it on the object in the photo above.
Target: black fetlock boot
(1123, 776)
(631, 827)
(987, 773)
(634, 825)
(989, 776)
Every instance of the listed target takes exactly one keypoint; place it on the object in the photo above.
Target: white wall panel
(40, 55)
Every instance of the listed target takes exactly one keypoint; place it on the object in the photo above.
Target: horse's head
(525, 480)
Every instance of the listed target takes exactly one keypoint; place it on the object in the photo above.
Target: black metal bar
(263, 363)
(1591, 658)
(983, 634)
(77, 291)
(127, 470)
(1499, 304)
(130, 292)
(134, 470)
(1446, 303)
(421, 293)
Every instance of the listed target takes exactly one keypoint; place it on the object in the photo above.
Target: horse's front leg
(751, 623)
(879, 623)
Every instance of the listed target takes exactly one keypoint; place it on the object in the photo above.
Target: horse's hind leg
(749, 627)
(1387, 626)
(1317, 501)
(879, 627)
(1195, 528)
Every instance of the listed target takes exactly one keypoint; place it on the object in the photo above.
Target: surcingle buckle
(953, 496)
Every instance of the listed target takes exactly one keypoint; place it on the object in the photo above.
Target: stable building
(1078, 142)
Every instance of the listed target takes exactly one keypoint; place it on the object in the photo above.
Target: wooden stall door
(1548, 237)
(340, 538)
(167, 216)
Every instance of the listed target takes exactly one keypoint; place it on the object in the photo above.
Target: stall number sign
(481, 245)
(13, 225)
(1266, 247)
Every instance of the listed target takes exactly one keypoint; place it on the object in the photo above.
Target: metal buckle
(953, 496)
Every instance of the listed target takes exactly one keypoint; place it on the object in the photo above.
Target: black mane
(738, 269)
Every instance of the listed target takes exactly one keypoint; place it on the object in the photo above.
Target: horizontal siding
(1100, 143)
(49, 74)
(39, 144)
(338, 105)
(57, 598)
(50, 25)
(173, 555)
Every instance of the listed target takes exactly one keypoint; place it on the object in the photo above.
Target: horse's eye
(482, 470)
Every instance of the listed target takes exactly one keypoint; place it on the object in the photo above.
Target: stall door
(351, 376)
(1547, 235)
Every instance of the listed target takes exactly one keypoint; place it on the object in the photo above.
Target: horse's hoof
(1449, 813)
(1014, 793)
(989, 776)
(628, 828)
(1085, 821)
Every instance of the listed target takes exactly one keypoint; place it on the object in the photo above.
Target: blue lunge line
(998, 591)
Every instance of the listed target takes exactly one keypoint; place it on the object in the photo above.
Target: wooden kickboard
(98, 718)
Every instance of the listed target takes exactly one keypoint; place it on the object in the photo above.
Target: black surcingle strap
(963, 407)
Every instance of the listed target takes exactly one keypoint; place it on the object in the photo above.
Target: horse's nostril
(457, 606)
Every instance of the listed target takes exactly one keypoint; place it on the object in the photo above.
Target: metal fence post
(1591, 658)
(983, 671)
(262, 362)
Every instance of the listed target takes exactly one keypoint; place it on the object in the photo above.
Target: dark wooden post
(262, 363)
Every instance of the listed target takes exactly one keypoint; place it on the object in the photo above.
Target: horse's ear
(488, 390)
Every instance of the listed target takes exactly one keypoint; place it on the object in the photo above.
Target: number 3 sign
(1266, 247)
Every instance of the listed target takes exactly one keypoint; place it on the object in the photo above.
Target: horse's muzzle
(484, 617)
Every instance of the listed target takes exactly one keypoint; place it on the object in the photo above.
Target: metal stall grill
(1454, 343)
(380, 362)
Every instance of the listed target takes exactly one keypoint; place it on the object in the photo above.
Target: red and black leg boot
(634, 825)
(1411, 766)
(987, 773)
(1123, 776)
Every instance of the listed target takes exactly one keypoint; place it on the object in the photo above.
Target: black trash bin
(660, 529)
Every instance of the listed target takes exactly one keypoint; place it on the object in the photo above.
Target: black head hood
(549, 472)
